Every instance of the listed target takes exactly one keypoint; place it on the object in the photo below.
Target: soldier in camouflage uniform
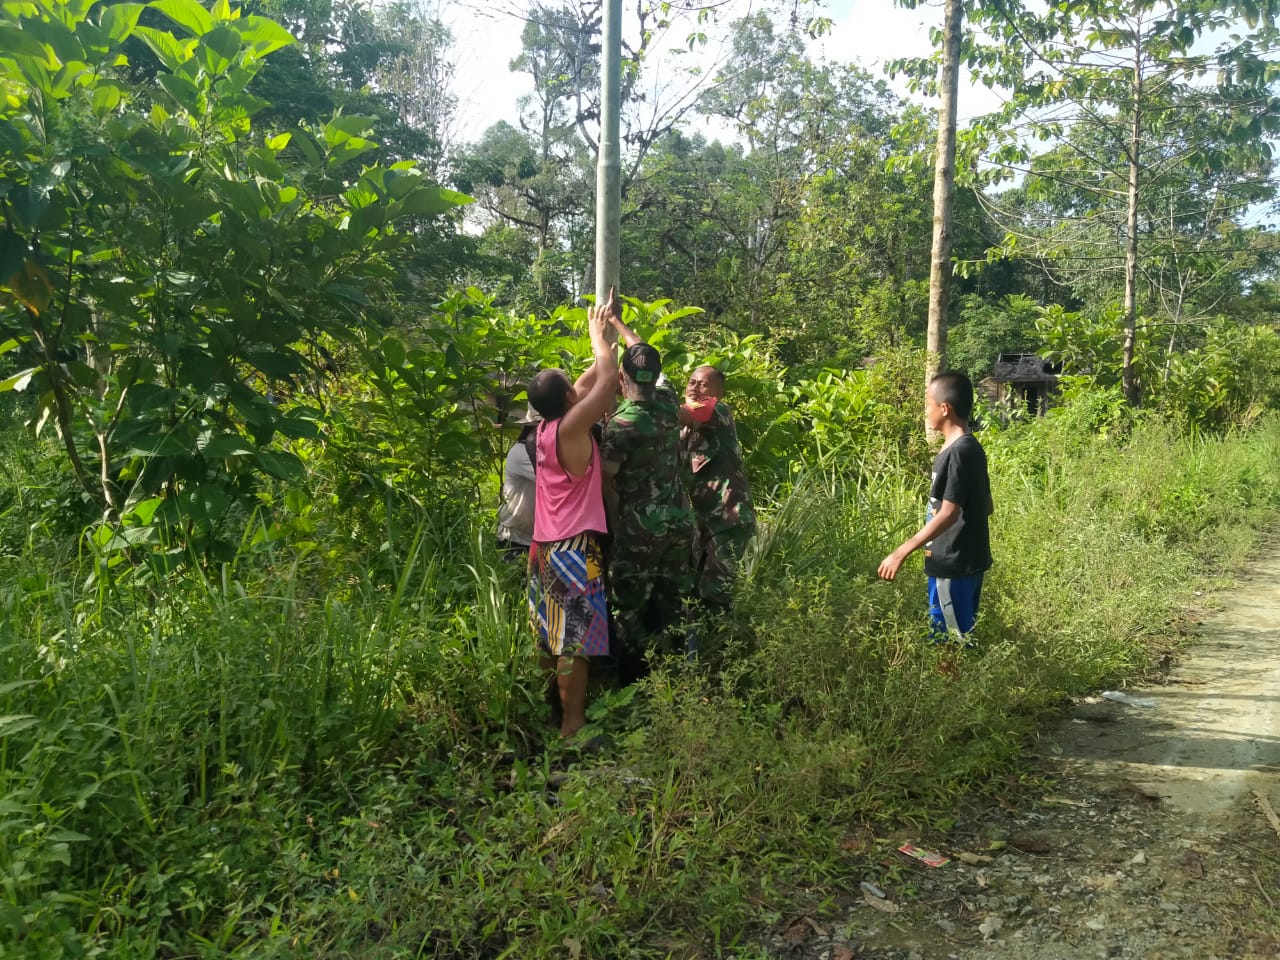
(650, 567)
(718, 487)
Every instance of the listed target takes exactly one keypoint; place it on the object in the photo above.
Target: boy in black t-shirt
(957, 548)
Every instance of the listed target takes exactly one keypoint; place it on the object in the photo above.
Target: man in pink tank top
(566, 563)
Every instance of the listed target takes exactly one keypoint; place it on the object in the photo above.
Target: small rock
(990, 927)
(1029, 843)
(1168, 906)
(1139, 858)
(1096, 923)
(945, 925)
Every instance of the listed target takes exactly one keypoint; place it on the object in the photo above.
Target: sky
(487, 39)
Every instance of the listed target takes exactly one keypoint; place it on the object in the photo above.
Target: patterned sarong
(567, 597)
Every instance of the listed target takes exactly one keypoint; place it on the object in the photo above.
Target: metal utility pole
(608, 165)
(944, 190)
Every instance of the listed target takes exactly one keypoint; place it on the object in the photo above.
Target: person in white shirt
(515, 513)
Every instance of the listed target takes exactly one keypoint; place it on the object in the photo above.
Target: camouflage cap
(642, 363)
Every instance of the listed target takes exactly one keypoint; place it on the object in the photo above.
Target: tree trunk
(1132, 389)
(944, 191)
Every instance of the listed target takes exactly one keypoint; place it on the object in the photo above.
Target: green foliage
(420, 415)
(163, 260)
(327, 738)
(1231, 379)
(335, 744)
(1157, 152)
(869, 416)
(988, 329)
(1228, 379)
(1091, 344)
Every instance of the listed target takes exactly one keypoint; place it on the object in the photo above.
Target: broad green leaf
(164, 445)
(58, 36)
(94, 40)
(280, 464)
(151, 396)
(203, 502)
(393, 350)
(106, 96)
(173, 53)
(263, 163)
(427, 201)
(14, 251)
(183, 91)
(36, 73)
(348, 292)
(228, 445)
(139, 536)
(144, 510)
(15, 42)
(298, 428)
(264, 35)
(343, 128)
(72, 74)
(186, 13)
(225, 43)
(308, 147)
(276, 363)
(349, 149)
(365, 219)
(119, 20)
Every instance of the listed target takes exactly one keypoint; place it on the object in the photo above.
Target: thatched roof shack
(1024, 368)
(1022, 380)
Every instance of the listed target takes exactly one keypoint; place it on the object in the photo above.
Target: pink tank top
(565, 505)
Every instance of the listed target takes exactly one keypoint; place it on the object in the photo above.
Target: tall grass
(346, 756)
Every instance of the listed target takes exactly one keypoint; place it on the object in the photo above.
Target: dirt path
(1152, 841)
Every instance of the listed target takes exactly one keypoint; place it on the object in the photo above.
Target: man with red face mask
(717, 484)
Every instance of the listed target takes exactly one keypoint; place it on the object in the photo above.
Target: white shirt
(515, 513)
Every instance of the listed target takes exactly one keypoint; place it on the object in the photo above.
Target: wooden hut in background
(1022, 381)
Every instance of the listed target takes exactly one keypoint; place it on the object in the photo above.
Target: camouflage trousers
(650, 586)
(716, 557)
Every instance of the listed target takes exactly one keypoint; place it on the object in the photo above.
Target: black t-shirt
(960, 475)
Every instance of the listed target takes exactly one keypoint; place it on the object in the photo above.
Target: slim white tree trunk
(1132, 389)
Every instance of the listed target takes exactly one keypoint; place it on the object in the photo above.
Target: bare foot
(569, 728)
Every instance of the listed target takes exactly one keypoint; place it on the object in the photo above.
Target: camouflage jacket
(714, 474)
(643, 440)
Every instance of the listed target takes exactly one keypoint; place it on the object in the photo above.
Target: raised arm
(603, 385)
(628, 336)
(585, 382)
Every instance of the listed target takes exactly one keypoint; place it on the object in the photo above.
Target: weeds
(281, 756)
